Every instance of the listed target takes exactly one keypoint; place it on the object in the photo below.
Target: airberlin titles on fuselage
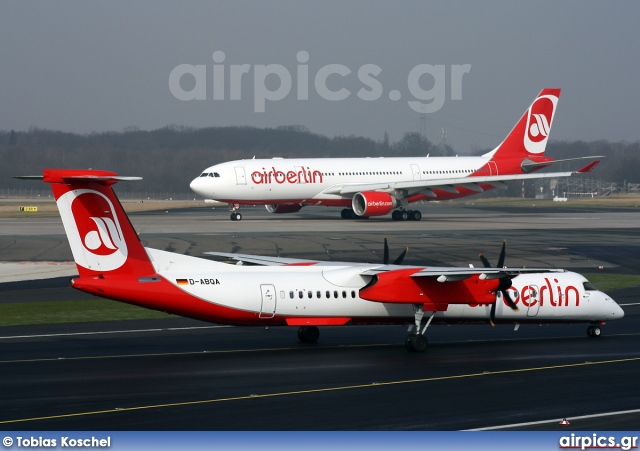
(552, 292)
(302, 175)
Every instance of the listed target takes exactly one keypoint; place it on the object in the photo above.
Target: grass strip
(606, 282)
(56, 312)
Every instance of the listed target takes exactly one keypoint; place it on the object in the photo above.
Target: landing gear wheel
(308, 334)
(416, 215)
(416, 342)
(348, 213)
(404, 215)
(395, 215)
(236, 216)
(594, 331)
(408, 342)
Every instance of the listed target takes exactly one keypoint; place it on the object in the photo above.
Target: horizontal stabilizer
(78, 176)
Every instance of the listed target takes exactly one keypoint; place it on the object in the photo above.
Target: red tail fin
(101, 237)
(529, 137)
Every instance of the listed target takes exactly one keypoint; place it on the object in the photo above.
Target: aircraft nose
(198, 186)
(614, 308)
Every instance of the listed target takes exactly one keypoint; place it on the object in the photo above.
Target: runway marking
(317, 390)
(167, 354)
(556, 420)
(112, 332)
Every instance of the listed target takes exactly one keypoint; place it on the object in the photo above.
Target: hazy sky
(97, 66)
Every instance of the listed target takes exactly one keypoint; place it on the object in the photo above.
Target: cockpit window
(204, 174)
(215, 174)
(588, 286)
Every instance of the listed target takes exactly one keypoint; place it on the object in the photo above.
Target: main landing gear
(348, 213)
(308, 334)
(397, 215)
(417, 342)
(406, 215)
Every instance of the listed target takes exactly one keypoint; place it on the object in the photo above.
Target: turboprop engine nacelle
(373, 203)
(283, 208)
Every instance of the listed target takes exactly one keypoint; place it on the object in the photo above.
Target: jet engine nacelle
(373, 203)
(283, 208)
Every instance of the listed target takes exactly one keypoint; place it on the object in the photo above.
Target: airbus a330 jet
(112, 263)
(366, 187)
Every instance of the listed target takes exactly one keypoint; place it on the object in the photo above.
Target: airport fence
(34, 193)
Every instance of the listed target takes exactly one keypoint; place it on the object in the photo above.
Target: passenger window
(310, 294)
(281, 294)
(328, 293)
(353, 294)
(318, 294)
(335, 294)
(291, 294)
(300, 294)
(344, 294)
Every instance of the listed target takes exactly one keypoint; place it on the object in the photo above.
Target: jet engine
(283, 208)
(373, 203)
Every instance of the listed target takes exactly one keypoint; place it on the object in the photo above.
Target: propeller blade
(398, 261)
(484, 261)
(502, 255)
(492, 315)
(385, 259)
(507, 296)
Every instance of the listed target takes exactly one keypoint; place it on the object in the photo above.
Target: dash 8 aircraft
(261, 291)
(376, 186)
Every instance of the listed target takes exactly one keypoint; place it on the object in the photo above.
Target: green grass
(606, 282)
(56, 312)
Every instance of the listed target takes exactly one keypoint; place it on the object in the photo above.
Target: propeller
(397, 261)
(503, 286)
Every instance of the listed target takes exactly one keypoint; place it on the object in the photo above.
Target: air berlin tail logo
(95, 235)
(106, 236)
(539, 122)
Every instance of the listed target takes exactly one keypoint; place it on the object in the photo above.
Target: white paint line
(113, 332)
(557, 420)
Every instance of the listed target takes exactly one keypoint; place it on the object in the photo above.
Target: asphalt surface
(179, 374)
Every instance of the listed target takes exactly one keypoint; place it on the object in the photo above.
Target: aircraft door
(269, 298)
(241, 178)
(415, 169)
(534, 300)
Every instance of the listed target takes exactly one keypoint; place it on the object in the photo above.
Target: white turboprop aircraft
(376, 186)
(112, 263)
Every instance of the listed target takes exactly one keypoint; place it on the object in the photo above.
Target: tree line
(169, 158)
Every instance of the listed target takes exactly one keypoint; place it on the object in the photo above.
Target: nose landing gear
(594, 331)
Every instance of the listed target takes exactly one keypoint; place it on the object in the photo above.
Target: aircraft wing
(272, 261)
(454, 274)
(449, 185)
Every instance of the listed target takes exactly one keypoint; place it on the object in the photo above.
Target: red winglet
(589, 167)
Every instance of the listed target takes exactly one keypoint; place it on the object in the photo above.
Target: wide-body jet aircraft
(375, 186)
(268, 291)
